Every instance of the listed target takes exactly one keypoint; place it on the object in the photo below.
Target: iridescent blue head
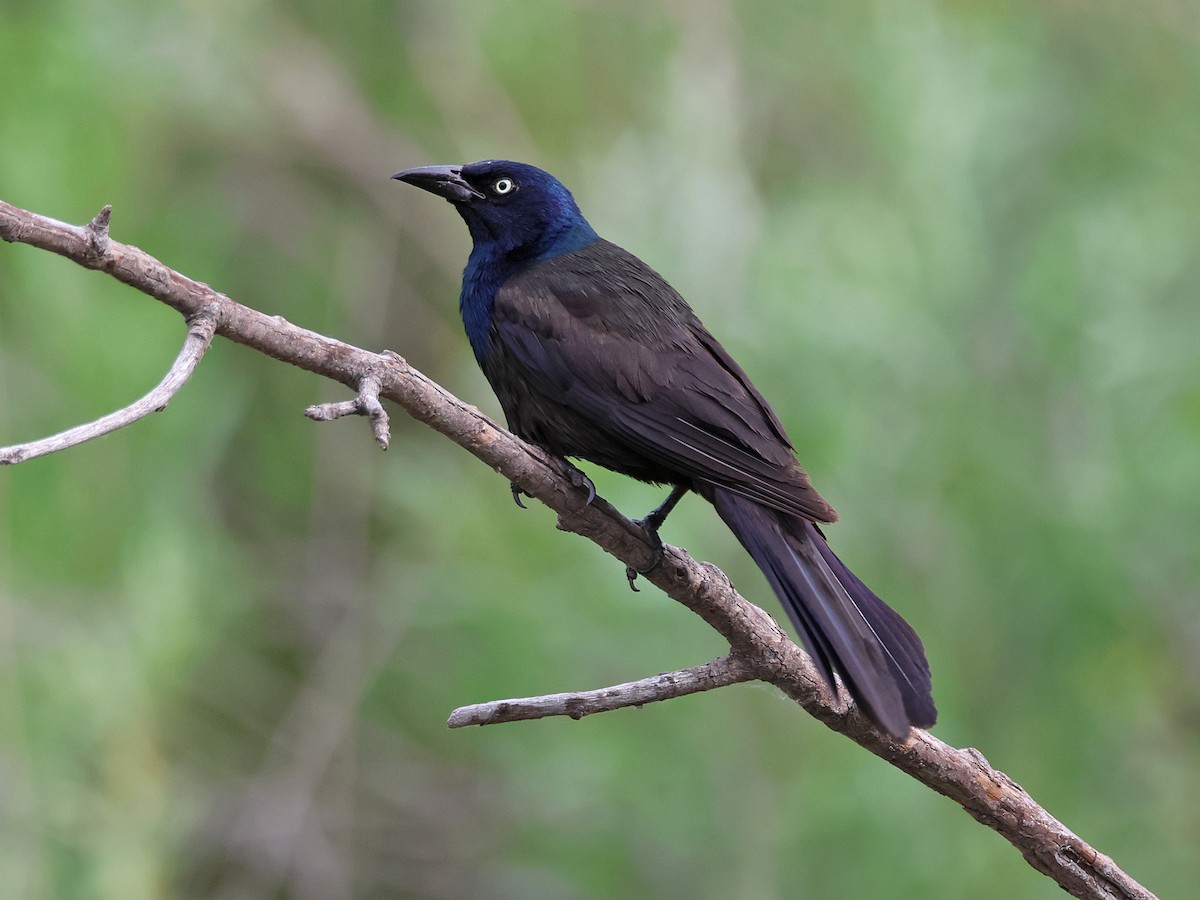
(514, 211)
(517, 214)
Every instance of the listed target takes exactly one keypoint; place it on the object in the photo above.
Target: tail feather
(844, 626)
(906, 653)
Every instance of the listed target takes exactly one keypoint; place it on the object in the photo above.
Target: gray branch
(963, 775)
(365, 404)
(721, 672)
(201, 326)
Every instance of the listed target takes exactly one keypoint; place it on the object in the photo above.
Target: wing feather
(584, 341)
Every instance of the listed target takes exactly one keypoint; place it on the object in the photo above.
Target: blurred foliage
(956, 243)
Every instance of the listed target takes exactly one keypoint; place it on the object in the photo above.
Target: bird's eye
(503, 185)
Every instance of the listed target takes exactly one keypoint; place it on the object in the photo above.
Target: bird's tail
(845, 627)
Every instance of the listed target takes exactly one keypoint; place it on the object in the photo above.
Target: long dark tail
(844, 626)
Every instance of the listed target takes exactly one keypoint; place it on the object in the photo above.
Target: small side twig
(727, 670)
(365, 404)
(99, 243)
(201, 329)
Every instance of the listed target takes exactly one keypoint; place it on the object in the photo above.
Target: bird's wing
(609, 339)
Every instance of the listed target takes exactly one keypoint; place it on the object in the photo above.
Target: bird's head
(511, 209)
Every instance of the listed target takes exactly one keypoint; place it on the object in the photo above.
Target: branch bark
(759, 648)
(199, 337)
(727, 670)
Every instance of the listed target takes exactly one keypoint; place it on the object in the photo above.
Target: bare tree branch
(988, 795)
(201, 327)
(727, 670)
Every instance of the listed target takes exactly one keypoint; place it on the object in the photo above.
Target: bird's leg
(654, 520)
(650, 523)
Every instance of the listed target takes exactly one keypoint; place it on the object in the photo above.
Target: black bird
(594, 356)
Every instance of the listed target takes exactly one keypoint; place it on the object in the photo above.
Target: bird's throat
(482, 278)
(492, 263)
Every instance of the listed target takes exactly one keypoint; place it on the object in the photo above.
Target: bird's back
(594, 355)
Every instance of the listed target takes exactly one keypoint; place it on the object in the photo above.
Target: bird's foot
(574, 475)
(518, 492)
(650, 526)
(581, 480)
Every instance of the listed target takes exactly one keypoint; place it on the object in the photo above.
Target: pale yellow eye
(503, 185)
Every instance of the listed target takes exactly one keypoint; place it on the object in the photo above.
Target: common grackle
(594, 356)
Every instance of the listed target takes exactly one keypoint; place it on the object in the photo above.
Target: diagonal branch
(963, 775)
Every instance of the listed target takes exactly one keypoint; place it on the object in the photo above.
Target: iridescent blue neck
(573, 237)
(491, 264)
(482, 279)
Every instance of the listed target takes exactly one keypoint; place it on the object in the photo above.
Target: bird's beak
(445, 181)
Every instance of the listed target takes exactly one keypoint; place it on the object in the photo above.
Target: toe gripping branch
(651, 523)
(518, 492)
(574, 475)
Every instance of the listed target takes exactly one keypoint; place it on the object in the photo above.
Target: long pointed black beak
(445, 181)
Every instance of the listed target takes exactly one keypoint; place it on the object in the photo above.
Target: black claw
(517, 491)
(631, 573)
(656, 551)
(579, 479)
(650, 524)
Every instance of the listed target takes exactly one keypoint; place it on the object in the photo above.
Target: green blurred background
(957, 244)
